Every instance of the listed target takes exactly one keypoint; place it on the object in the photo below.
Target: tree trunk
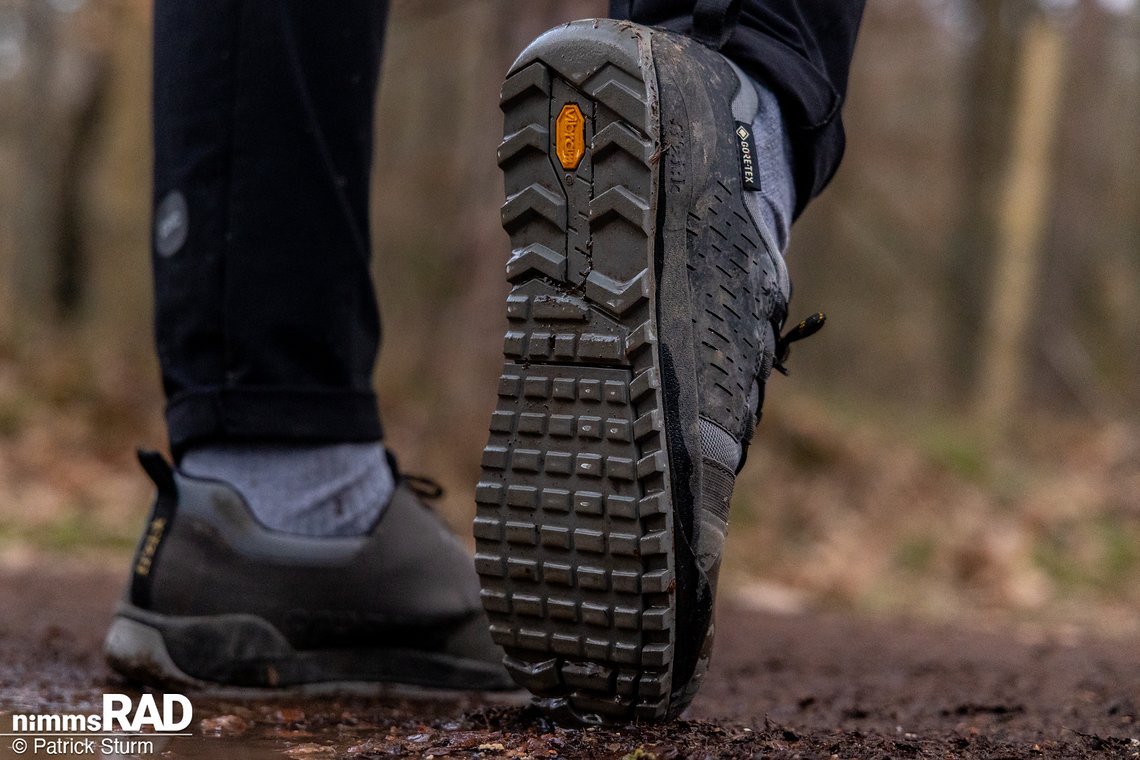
(36, 222)
(1027, 187)
(988, 89)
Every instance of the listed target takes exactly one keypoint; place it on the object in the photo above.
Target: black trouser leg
(266, 319)
(800, 48)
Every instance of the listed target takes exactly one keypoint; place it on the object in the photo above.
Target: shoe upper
(408, 583)
(723, 292)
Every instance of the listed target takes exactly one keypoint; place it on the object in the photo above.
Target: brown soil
(807, 686)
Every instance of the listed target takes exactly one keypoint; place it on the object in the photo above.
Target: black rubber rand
(574, 526)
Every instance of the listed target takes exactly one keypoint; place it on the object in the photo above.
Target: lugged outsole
(574, 525)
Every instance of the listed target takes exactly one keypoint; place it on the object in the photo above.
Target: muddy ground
(804, 686)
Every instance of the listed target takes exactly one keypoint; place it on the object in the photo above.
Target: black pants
(266, 320)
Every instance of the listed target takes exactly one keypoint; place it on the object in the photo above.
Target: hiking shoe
(644, 311)
(217, 600)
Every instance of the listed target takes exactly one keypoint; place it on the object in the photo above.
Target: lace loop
(422, 486)
(805, 329)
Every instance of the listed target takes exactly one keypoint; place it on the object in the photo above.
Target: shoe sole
(574, 526)
(138, 646)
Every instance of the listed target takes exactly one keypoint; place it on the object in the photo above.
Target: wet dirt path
(814, 685)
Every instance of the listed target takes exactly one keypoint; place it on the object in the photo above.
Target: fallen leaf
(288, 715)
(224, 725)
(305, 750)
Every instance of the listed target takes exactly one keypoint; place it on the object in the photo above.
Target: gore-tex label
(747, 156)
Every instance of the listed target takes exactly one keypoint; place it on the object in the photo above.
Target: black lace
(804, 329)
(422, 486)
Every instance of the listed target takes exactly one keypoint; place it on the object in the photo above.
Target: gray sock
(320, 490)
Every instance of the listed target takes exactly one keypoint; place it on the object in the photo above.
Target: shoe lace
(805, 329)
(423, 486)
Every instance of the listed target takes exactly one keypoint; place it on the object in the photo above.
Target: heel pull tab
(715, 20)
(158, 527)
(159, 470)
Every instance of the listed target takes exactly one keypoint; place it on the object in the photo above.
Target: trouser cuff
(271, 414)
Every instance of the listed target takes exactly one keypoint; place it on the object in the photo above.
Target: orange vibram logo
(570, 136)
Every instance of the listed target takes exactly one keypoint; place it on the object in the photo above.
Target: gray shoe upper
(722, 320)
(723, 293)
(408, 583)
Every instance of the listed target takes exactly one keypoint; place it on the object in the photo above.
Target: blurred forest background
(963, 440)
